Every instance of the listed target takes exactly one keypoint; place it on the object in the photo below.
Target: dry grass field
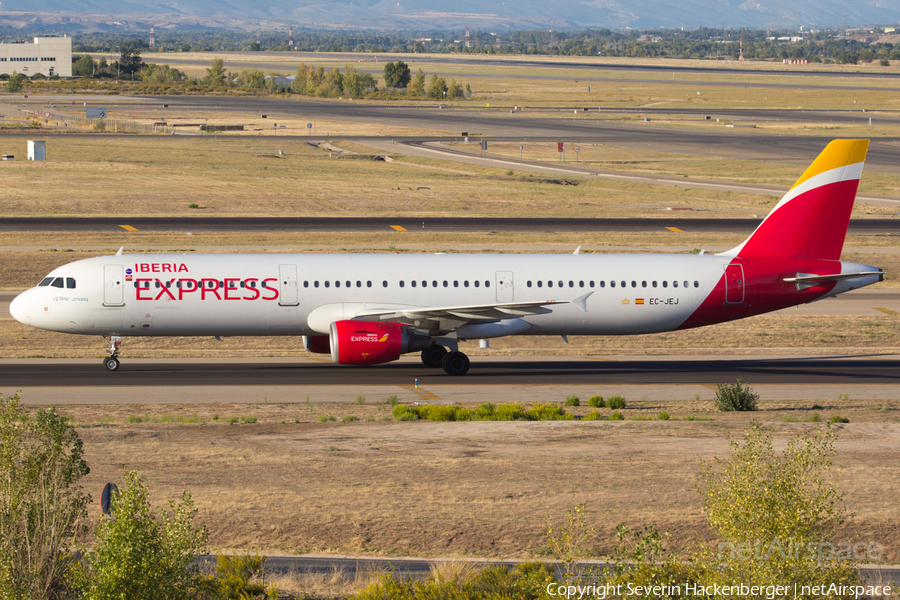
(288, 482)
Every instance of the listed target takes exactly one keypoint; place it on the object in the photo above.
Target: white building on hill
(47, 55)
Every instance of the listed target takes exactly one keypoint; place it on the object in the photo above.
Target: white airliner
(370, 309)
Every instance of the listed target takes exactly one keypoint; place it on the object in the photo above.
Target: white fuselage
(631, 294)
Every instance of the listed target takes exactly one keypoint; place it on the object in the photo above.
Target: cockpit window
(46, 281)
(57, 283)
(70, 283)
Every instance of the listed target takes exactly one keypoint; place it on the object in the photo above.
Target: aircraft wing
(450, 318)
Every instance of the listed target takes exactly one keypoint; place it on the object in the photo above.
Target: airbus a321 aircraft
(371, 308)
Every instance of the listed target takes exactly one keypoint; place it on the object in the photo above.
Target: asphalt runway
(831, 370)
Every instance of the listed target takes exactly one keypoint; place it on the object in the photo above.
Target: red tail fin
(811, 220)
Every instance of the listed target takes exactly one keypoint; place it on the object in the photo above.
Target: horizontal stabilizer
(810, 278)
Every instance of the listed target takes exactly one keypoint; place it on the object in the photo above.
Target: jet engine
(319, 344)
(372, 343)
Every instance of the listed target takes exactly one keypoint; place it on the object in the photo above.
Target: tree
(397, 75)
(437, 88)
(417, 87)
(300, 80)
(215, 74)
(84, 66)
(455, 90)
(130, 61)
(142, 555)
(15, 83)
(40, 499)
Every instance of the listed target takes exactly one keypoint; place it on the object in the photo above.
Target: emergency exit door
(287, 285)
(734, 284)
(505, 291)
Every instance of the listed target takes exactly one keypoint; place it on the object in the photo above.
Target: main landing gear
(111, 362)
(453, 363)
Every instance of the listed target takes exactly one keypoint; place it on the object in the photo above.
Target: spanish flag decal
(638, 300)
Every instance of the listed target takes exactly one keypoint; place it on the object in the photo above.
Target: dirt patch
(480, 488)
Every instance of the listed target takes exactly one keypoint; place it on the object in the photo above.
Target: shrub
(735, 397)
(594, 415)
(232, 580)
(232, 420)
(663, 416)
(249, 419)
(464, 414)
(100, 125)
(547, 412)
(596, 402)
(615, 402)
(134, 419)
(815, 418)
(360, 399)
(508, 412)
(143, 554)
(789, 419)
(400, 410)
(438, 412)
(616, 416)
(350, 419)
(485, 411)
(193, 205)
(573, 400)
(409, 416)
(325, 418)
(838, 419)
(393, 400)
(40, 499)
(816, 407)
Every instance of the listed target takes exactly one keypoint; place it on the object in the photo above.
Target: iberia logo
(384, 338)
(626, 301)
(639, 301)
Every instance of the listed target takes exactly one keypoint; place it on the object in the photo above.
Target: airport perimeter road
(350, 224)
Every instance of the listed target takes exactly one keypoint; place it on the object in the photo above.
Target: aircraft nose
(19, 309)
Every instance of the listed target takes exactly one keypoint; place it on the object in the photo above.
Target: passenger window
(401, 284)
(315, 284)
(446, 283)
(156, 284)
(412, 283)
(253, 284)
(654, 284)
(685, 284)
(348, 283)
(368, 284)
(549, 284)
(665, 284)
(243, 284)
(455, 283)
(222, 285)
(528, 284)
(696, 284)
(424, 284)
(674, 284)
(634, 284)
(581, 284)
(434, 284)
(560, 284)
(477, 283)
(384, 284)
(602, 284)
(168, 284)
(612, 284)
(359, 284)
(45, 282)
(540, 283)
(70, 283)
(643, 284)
(592, 284)
(337, 284)
(571, 284)
(305, 284)
(487, 283)
(466, 283)
(623, 284)
(327, 283)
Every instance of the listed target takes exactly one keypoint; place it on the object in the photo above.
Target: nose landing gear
(111, 362)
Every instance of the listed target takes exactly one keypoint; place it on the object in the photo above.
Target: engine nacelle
(319, 344)
(372, 343)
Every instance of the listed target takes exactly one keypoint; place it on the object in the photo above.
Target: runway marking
(600, 359)
(675, 229)
(317, 359)
(128, 228)
(712, 386)
(420, 392)
(886, 311)
(398, 228)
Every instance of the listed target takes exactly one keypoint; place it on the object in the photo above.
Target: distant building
(47, 55)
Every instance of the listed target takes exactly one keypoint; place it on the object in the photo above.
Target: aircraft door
(287, 284)
(113, 285)
(505, 290)
(734, 284)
